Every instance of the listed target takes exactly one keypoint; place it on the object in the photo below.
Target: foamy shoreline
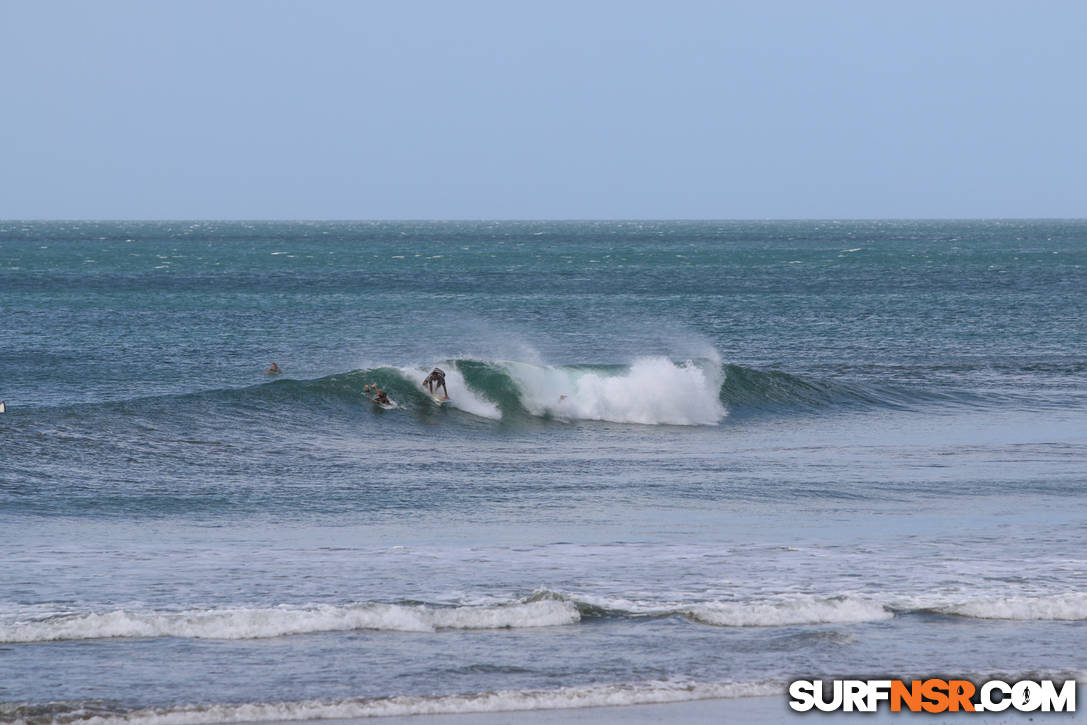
(763, 710)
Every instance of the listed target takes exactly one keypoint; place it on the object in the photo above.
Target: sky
(337, 109)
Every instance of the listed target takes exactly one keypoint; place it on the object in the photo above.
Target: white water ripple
(257, 623)
(603, 695)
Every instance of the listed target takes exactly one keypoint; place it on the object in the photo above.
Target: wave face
(647, 391)
(763, 390)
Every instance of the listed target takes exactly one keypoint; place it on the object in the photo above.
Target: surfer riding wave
(434, 380)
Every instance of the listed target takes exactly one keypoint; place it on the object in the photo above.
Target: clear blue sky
(237, 109)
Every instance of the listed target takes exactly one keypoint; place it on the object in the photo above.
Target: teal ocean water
(680, 460)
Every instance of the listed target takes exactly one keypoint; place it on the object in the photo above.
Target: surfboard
(438, 400)
(384, 406)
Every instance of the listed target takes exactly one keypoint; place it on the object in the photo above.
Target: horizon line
(491, 220)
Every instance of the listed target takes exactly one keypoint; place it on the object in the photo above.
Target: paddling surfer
(380, 397)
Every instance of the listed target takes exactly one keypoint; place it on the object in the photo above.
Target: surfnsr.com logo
(933, 695)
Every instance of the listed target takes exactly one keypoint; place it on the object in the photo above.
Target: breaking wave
(649, 391)
(542, 609)
(851, 608)
(257, 623)
(800, 610)
(1066, 607)
(646, 391)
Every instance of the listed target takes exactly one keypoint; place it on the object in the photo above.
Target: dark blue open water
(787, 449)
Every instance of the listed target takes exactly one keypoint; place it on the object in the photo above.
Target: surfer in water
(273, 369)
(435, 380)
(380, 397)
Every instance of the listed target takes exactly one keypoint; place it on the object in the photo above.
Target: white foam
(604, 695)
(790, 611)
(1070, 607)
(460, 395)
(651, 391)
(256, 623)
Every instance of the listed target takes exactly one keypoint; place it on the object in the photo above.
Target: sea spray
(651, 391)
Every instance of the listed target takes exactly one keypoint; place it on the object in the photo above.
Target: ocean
(681, 460)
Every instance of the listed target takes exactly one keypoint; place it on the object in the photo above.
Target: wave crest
(651, 391)
(259, 623)
(1055, 607)
(796, 611)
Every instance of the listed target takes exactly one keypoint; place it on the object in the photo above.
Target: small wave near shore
(542, 609)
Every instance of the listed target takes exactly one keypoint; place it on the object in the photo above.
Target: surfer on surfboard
(380, 397)
(435, 380)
